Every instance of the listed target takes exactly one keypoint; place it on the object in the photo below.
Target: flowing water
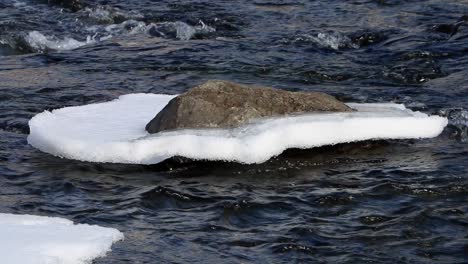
(369, 202)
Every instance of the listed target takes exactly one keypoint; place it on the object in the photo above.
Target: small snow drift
(115, 132)
(29, 239)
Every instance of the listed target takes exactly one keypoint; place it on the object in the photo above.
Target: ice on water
(115, 132)
(29, 239)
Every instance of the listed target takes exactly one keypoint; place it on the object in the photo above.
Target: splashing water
(458, 120)
(41, 42)
(335, 41)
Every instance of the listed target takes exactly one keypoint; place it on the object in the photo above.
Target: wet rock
(366, 38)
(415, 71)
(221, 104)
(73, 5)
(450, 29)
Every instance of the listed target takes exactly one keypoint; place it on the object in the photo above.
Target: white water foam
(333, 40)
(178, 29)
(29, 239)
(115, 132)
(41, 42)
(17, 3)
(182, 31)
(107, 14)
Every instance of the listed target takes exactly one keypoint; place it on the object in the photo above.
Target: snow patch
(115, 132)
(29, 239)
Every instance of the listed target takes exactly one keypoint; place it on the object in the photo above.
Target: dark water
(369, 202)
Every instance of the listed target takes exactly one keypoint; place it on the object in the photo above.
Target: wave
(458, 122)
(340, 41)
(35, 41)
(170, 30)
(40, 42)
(333, 40)
(108, 15)
(90, 25)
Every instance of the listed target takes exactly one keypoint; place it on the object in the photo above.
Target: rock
(451, 29)
(73, 5)
(223, 104)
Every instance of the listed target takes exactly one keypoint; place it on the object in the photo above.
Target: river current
(395, 201)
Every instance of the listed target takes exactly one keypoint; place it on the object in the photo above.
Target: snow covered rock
(115, 132)
(223, 104)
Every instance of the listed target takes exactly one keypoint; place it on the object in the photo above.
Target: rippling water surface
(368, 202)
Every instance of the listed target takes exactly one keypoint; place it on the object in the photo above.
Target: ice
(29, 239)
(115, 132)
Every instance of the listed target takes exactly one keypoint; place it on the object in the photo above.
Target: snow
(29, 239)
(114, 132)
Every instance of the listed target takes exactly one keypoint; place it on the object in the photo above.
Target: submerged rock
(73, 5)
(223, 104)
(451, 29)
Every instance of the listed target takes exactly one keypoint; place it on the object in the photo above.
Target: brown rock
(223, 104)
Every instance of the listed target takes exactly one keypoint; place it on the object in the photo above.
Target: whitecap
(108, 14)
(178, 29)
(41, 42)
(332, 40)
(126, 27)
(175, 30)
(115, 132)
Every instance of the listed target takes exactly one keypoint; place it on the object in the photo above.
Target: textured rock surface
(222, 104)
